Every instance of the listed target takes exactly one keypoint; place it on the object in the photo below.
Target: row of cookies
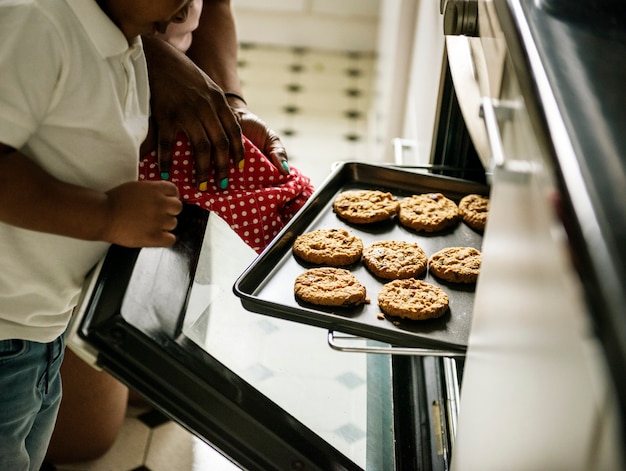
(428, 212)
(399, 261)
(387, 259)
(406, 298)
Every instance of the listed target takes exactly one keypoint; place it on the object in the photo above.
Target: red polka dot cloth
(259, 199)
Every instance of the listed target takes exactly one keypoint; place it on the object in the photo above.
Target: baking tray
(266, 287)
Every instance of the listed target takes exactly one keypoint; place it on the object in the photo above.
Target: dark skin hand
(214, 50)
(255, 129)
(185, 98)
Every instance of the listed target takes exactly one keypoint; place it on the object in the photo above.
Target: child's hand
(142, 214)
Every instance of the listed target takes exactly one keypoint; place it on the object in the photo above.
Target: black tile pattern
(153, 418)
(353, 92)
(353, 114)
(291, 109)
(356, 94)
(294, 87)
(290, 104)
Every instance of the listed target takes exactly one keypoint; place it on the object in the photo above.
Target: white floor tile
(264, 56)
(173, 448)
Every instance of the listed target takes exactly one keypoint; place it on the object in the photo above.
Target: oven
(531, 111)
(543, 385)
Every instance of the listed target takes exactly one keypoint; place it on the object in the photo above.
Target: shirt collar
(103, 33)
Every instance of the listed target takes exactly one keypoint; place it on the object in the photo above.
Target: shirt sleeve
(30, 70)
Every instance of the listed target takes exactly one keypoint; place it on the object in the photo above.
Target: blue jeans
(30, 395)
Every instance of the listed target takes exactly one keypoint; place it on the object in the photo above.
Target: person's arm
(214, 50)
(184, 98)
(134, 214)
(214, 46)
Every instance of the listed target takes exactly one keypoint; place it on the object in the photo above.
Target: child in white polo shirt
(74, 105)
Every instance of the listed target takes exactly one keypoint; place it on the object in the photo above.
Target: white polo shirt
(74, 97)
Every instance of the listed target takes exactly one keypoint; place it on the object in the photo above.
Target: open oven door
(166, 323)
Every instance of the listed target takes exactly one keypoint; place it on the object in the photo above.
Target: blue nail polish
(224, 183)
(286, 166)
(165, 175)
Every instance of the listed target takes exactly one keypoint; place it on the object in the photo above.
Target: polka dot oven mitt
(258, 202)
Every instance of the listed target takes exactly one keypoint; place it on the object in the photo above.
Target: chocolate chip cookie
(412, 299)
(329, 286)
(334, 247)
(365, 206)
(456, 264)
(474, 210)
(428, 212)
(394, 259)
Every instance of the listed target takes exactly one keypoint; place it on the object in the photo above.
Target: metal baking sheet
(266, 287)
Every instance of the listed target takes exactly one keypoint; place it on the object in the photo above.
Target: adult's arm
(214, 50)
(214, 46)
(184, 98)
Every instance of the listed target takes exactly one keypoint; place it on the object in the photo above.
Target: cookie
(393, 259)
(412, 299)
(334, 247)
(456, 264)
(328, 286)
(474, 210)
(429, 212)
(365, 206)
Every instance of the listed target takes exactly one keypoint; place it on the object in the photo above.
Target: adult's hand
(261, 135)
(185, 98)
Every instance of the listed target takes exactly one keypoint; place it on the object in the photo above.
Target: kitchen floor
(318, 102)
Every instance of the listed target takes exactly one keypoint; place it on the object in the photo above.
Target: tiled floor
(318, 102)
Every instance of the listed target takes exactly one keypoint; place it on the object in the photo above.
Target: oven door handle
(493, 111)
(488, 113)
(390, 350)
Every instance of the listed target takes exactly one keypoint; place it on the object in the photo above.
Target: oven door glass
(267, 393)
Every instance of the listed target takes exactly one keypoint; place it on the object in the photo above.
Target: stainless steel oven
(531, 110)
(538, 86)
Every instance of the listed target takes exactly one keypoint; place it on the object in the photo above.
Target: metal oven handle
(488, 113)
(493, 111)
(426, 352)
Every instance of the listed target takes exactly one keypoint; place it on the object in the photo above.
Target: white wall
(410, 58)
(395, 51)
(425, 79)
(326, 24)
